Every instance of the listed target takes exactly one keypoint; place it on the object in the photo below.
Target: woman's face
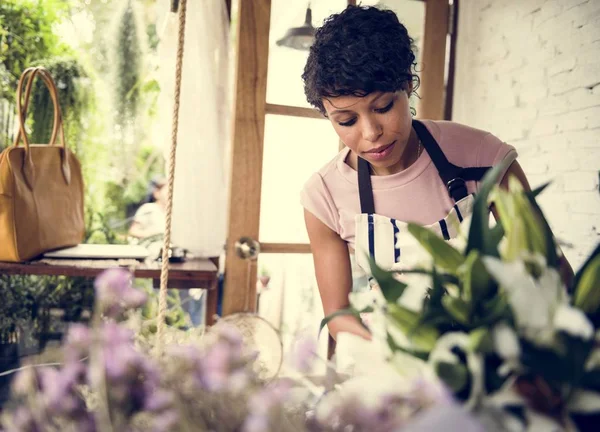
(160, 193)
(375, 127)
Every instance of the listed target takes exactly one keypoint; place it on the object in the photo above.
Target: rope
(164, 275)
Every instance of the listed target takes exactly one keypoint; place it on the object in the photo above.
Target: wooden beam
(433, 60)
(294, 111)
(453, 29)
(252, 53)
(301, 248)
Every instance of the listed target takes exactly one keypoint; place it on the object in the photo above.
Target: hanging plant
(128, 60)
(73, 98)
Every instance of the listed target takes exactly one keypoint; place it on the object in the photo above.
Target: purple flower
(115, 292)
(428, 393)
(78, 342)
(22, 421)
(261, 402)
(215, 366)
(85, 423)
(114, 334)
(230, 333)
(159, 401)
(256, 423)
(302, 354)
(165, 422)
(25, 382)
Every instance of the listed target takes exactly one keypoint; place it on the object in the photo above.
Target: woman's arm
(515, 170)
(334, 275)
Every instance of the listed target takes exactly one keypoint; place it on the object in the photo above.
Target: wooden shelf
(193, 273)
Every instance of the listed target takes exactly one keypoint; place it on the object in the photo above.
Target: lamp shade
(300, 38)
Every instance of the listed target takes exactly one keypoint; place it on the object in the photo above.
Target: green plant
(73, 97)
(496, 323)
(26, 37)
(28, 300)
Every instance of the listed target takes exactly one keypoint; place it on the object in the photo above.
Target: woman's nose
(372, 130)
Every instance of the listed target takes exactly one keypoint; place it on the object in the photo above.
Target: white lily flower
(532, 301)
(357, 356)
(442, 352)
(506, 342)
(593, 360)
(416, 289)
(364, 299)
(462, 236)
(573, 322)
(412, 367)
(412, 254)
(584, 402)
(398, 336)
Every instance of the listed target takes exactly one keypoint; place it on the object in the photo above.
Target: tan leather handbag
(41, 187)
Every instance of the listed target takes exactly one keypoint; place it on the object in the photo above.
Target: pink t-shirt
(416, 194)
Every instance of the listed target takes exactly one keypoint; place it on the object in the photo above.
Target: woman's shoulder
(449, 132)
(468, 146)
(329, 173)
(319, 191)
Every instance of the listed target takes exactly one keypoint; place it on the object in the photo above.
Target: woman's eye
(348, 123)
(385, 108)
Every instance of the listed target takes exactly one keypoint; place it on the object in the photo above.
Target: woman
(360, 75)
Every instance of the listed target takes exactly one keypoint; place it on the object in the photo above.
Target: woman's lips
(381, 152)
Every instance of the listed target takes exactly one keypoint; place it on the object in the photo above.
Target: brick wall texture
(529, 72)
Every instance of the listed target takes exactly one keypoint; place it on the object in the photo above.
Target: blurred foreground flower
(115, 292)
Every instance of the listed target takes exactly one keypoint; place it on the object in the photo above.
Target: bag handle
(28, 165)
(53, 94)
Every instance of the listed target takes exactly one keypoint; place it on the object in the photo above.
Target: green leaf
(476, 279)
(341, 312)
(536, 236)
(433, 313)
(479, 232)
(391, 288)
(495, 309)
(395, 347)
(423, 337)
(496, 234)
(444, 255)
(550, 245)
(455, 375)
(538, 190)
(458, 308)
(481, 340)
(587, 290)
(589, 259)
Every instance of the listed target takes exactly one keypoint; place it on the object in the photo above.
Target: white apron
(387, 240)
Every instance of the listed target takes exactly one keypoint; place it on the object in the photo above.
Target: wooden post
(433, 59)
(252, 51)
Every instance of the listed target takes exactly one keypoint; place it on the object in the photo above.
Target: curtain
(199, 218)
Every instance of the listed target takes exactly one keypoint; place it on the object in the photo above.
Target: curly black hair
(356, 52)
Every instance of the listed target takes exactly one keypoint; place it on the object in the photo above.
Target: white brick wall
(529, 72)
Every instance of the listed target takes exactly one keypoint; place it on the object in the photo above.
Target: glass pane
(284, 83)
(411, 13)
(294, 148)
